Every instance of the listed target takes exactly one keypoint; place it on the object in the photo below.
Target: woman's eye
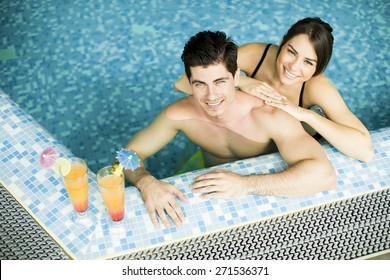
(309, 63)
(291, 52)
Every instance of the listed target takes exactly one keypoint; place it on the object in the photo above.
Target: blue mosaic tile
(112, 64)
(93, 72)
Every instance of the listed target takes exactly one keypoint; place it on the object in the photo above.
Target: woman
(290, 77)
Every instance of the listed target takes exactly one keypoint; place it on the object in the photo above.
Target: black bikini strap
(261, 60)
(301, 95)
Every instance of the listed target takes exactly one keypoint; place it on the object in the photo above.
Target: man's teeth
(214, 104)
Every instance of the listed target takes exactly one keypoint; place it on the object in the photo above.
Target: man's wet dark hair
(209, 48)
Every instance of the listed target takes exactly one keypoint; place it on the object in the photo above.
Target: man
(227, 125)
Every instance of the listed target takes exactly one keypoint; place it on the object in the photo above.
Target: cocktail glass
(112, 189)
(76, 183)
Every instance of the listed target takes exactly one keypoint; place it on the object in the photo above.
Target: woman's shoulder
(252, 48)
(320, 88)
(318, 83)
(250, 54)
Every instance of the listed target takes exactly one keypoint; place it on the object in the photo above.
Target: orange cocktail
(75, 174)
(112, 189)
(76, 183)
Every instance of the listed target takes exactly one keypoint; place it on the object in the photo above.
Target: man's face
(214, 88)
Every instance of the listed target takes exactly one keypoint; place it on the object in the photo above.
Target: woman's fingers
(271, 92)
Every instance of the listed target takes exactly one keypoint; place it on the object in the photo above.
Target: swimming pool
(94, 73)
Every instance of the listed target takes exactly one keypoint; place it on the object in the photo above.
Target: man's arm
(309, 169)
(159, 197)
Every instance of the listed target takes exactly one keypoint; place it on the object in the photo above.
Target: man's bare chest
(238, 141)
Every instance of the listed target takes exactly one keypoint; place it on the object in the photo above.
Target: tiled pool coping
(42, 194)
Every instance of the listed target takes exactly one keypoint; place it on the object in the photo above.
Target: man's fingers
(212, 195)
(180, 195)
(163, 218)
(153, 217)
(175, 213)
(208, 189)
(215, 174)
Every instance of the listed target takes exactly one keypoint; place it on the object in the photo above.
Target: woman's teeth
(290, 75)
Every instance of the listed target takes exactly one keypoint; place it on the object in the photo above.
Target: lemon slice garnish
(118, 170)
(62, 166)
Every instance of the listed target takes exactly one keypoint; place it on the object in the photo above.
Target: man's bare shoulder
(272, 117)
(258, 107)
(181, 109)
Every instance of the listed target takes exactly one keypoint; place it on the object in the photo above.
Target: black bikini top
(261, 62)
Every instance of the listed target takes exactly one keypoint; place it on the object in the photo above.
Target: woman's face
(297, 60)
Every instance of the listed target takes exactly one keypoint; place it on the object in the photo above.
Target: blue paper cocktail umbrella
(128, 159)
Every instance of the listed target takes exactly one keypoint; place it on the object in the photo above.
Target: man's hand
(221, 184)
(159, 198)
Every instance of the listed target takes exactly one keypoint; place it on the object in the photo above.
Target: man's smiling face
(214, 88)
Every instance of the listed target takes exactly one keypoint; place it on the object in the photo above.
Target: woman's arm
(183, 84)
(341, 127)
(348, 135)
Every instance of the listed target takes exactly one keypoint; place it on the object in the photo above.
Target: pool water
(93, 73)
